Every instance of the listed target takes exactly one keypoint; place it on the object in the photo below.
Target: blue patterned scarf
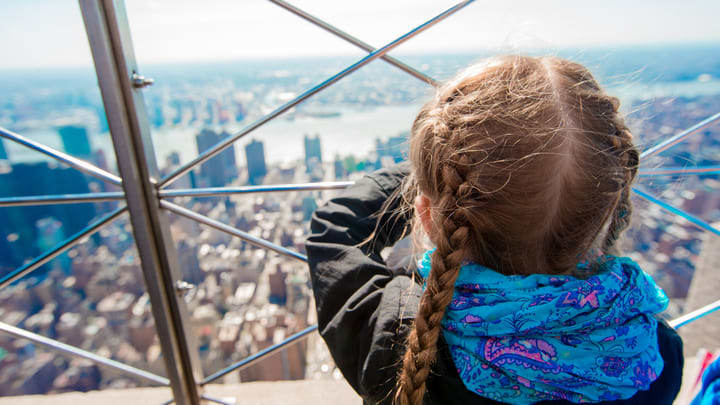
(523, 339)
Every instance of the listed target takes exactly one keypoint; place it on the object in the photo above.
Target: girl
(520, 173)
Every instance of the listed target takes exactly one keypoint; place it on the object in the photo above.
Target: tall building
(340, 171)
(220, 169)
(313, 154)
(3, 152)
(31, 179)
(188, 258)
(255, 155)
(309, 205)
(75, 140)
(229, 154)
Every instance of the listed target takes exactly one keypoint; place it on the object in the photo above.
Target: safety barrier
(146, 195)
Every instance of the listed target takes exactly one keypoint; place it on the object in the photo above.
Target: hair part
(526, 162)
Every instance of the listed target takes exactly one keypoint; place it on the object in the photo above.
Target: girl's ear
(422, 208)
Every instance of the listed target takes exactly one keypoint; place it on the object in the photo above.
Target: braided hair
(527, 165)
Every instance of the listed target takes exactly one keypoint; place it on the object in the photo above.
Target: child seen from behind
(519, 177)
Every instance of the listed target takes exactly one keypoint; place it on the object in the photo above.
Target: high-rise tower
(222, 168)
(313, 153)
(3, 152)
(75, 141)
(255, 155)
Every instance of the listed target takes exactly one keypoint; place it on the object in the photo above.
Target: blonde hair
(527, 165)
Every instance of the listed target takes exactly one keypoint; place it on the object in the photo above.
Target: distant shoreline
(472, 53)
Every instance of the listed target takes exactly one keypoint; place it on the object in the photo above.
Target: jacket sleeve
(363, 306)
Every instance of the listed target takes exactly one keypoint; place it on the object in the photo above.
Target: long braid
(446, 261)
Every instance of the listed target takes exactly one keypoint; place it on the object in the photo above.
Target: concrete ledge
(255, 393)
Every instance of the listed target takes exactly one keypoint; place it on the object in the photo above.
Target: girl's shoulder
(446, 387)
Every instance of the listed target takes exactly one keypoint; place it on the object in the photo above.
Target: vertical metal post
(120, 83)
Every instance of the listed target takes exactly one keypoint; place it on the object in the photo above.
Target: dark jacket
(365, 307)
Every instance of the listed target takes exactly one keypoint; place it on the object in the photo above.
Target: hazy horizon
(51, 34)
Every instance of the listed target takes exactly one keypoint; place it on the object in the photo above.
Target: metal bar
(62, 157)
(677, 211)
(673, 140)
(355, 41)
(308, 93)
(109, 35)
(253, 240)
(60, 199)
(674, 171)
(216, 400)
(218, 191)
(695, 315)
(61, 247)
(252, 359)
(77, 352)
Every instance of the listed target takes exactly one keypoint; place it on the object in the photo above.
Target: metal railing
(146, 194)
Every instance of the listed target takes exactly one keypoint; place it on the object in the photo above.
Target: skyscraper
(30, 179)
(255, 155)
(229, 153)
(189, 263)
(313, 153)
(75, 141)
(309, 205)
(3, 152)
(220, 169)
(340, 171)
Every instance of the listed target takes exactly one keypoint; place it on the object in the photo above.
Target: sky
(50, 33)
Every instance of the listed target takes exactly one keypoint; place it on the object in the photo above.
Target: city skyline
(241, 298)
(161, 34)
(236, 313)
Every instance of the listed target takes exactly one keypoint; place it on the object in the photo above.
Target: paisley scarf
(523, 339)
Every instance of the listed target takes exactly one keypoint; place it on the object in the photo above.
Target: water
(632, 73)
(352, 132)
